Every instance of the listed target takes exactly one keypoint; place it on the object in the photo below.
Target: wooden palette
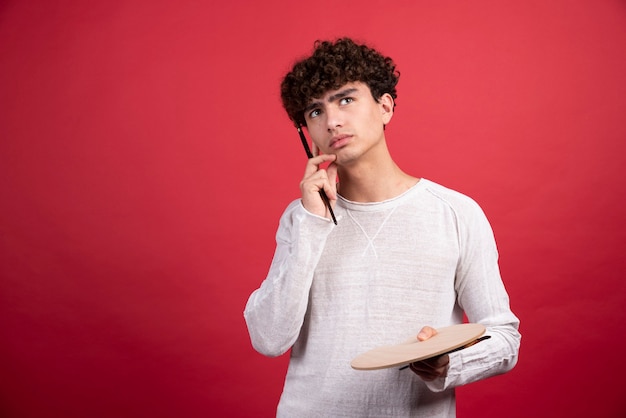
(446, 340)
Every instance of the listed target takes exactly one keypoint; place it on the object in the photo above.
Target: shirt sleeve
(275, 311)
(483, 297)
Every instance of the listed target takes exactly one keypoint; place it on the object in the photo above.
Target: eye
(346, 100)
(314, 113)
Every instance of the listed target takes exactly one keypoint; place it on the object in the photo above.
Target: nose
(334, 118)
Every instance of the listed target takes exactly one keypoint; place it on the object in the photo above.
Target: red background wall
(145, 160)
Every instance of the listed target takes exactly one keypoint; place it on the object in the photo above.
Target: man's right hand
(316, 179)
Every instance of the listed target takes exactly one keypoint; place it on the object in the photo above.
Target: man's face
(348, 121)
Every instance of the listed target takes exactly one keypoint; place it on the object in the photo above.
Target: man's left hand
(434, 367)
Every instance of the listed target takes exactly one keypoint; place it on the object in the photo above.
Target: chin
(346, 160)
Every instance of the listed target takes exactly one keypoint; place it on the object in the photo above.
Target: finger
(314, 163)
(426, 332)
(425, 374)
(438, 362)
(432, 364)
(431, 368)
(314, 150)
(331, 172)
(311, 198)
(317, 180)
(313, 184)
(420, 367)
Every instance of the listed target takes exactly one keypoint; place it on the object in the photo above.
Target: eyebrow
(339, 95)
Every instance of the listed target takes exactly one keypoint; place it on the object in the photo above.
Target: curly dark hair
(332, 65)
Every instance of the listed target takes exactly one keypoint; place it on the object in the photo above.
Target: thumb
(426, 332)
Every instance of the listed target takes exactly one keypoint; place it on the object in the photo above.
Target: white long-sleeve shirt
(386, 270)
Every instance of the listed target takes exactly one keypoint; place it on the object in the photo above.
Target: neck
(374, 181)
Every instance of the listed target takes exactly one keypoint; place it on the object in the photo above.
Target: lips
(339, 141)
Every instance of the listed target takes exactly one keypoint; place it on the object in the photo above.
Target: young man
(406, 256)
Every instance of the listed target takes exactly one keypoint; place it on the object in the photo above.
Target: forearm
(275, 312)
(491, 357)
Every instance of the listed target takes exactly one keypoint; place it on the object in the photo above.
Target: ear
(386, 107)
